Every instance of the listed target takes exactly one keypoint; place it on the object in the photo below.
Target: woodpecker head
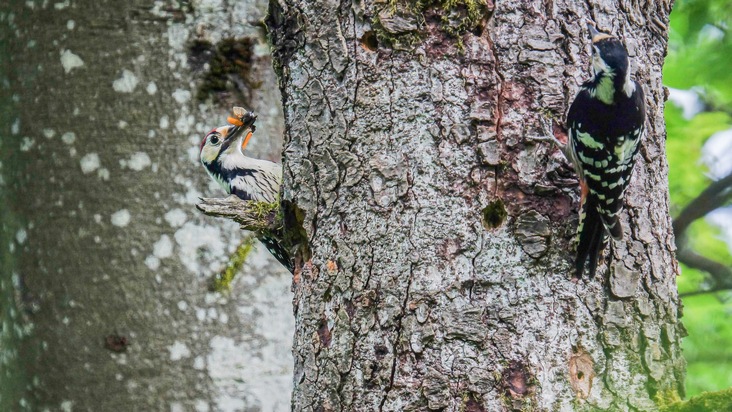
(226, 140)
(608, 54)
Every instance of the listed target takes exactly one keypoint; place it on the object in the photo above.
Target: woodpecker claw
(550, 130)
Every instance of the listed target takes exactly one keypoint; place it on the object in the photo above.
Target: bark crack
(395, 345)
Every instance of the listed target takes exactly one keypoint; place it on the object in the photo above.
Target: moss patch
(706, 402)
(400, 23)
(269, 214)
(221, 282)
(226, 67)
(494, 214)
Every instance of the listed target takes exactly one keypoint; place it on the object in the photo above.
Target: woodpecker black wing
(604, 139)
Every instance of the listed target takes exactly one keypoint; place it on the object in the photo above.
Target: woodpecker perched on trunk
(222, 154)
(605, 125)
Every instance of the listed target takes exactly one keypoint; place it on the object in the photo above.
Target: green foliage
(700, 56)
(708, 348)
(700, 48)
(685, 139)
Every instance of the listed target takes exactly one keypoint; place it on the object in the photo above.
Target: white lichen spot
(62, 5)
(70, 24)
(176, 217)
(89, 163)
(178, 35)
(228, 403)
(21, 236)
(194, 154)
(200, 314)
(121, 218)
(70, 61)
(97, 218)
(67, 406)
(138, 161)
(103, 173)
(49, 133)
(65, 320)
(122, 125)
(178, 350)
(181, 96)
(193, 196)
(152, 262)
(151, 88)
(224, 318)
(184, 123)
(15, 127)
(199, 363)
(164, 122)
(182, 305)
(68, 137)
(163, 248)
(26, 144)
(176, 407)
(126, 83)
(201, 406)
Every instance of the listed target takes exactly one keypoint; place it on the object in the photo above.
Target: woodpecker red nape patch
(203, 142)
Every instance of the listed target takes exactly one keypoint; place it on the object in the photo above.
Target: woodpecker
(222, 155)
(605, 125)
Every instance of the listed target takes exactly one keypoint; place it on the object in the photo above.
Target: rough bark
(440, 232)
(105, 260)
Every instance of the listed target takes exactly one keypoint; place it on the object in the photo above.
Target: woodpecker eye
(214, 139)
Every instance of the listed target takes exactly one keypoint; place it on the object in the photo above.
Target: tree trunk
(437, 274)
(105, 261)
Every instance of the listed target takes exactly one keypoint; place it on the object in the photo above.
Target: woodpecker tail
(612, 224)
(591, 234)
(279, 252)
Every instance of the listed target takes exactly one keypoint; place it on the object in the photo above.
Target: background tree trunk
(440, 231)
(100, 125)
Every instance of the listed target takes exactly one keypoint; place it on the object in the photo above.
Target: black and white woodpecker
(222, 154)
(605, 125)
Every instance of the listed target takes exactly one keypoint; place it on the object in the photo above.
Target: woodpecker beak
(595, 35)
(246, 123)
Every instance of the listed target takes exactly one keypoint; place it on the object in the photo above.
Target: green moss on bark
(457, 17)
(706, 402)
(221, 282)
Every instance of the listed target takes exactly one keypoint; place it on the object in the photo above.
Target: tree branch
(258, 217)
(713, 197)
(720, 274)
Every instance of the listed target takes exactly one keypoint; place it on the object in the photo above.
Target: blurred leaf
(699, 49)
(708, 348)
(684, 143)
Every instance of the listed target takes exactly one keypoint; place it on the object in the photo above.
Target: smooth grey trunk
(404, 146)
(100, 240)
